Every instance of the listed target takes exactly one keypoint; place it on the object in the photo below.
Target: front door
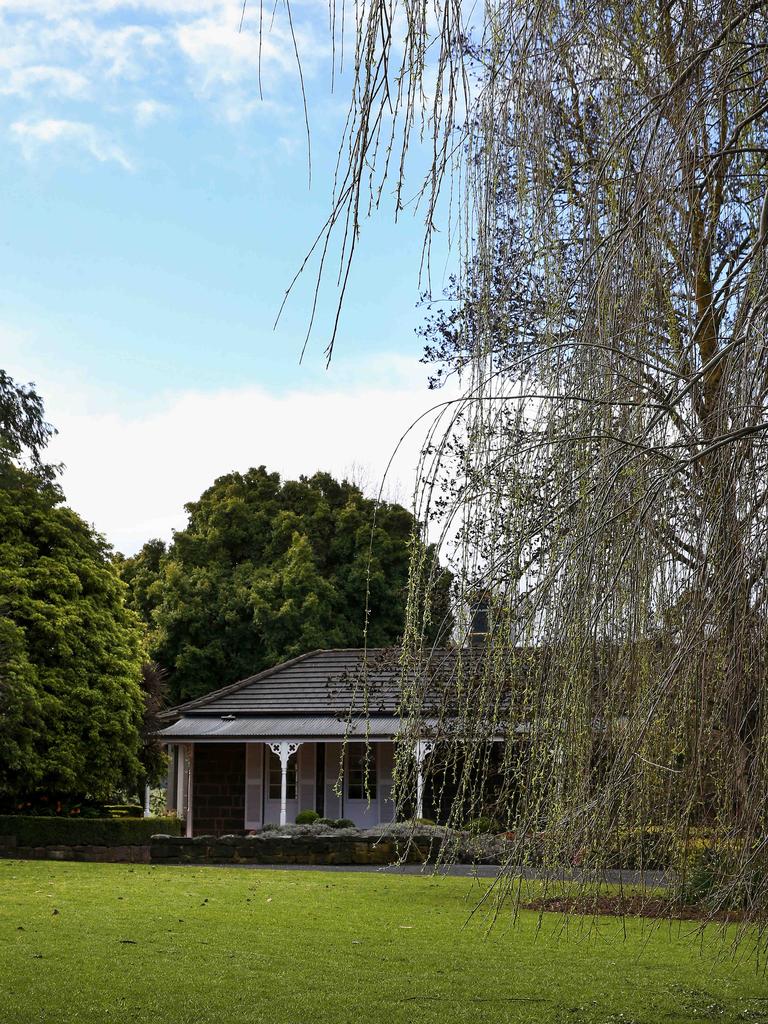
(361, 783)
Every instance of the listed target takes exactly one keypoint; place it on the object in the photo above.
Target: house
(263, 749)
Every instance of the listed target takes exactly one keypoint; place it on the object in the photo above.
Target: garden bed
(617, 905)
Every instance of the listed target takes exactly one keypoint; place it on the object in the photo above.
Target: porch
(228, 787)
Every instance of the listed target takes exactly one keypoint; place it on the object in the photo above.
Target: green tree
(70, 652)
(24, 432)
(71, 705)
(267, 569)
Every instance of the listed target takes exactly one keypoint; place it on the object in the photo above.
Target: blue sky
(154, 211)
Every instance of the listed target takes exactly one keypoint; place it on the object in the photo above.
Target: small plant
(124, 810)
(484, 825)
(307, 817)
(336, 822)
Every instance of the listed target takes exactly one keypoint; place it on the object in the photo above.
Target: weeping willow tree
(602, 484)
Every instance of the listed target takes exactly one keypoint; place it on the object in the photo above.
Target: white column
(180, 779)
(147, 811)
(190, 773)
(284, 749)
(421, 749)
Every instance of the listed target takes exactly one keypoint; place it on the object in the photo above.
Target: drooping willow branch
(602, 483)
(602, 486)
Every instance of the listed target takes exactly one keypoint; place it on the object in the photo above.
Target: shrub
(336, 822)
(307, 817)
(483, 825)
(42, 831)
(124, 810)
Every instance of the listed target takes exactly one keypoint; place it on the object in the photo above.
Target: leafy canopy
(70, 651)
(269, 569)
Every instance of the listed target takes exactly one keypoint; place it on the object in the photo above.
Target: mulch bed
(631, 906)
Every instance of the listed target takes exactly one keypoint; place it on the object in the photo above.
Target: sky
(155, 208)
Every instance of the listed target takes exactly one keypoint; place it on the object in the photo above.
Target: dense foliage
(268, 569)
(24, 432)
(71, 704)
(71, 652)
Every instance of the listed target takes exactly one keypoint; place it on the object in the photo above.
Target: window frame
(275, 777)
(356, 769)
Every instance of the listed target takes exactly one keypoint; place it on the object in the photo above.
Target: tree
(606, 469)
(70, 653)
(267, 569)
(24, 432)
(155, 695)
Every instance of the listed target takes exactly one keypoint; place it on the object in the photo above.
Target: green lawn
(102, 942)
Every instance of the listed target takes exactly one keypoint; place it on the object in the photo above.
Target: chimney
(479, 623)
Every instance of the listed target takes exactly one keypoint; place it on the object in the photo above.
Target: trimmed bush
(41, 831)
(307, 817)
(336, 822)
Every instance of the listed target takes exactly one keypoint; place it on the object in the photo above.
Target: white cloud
(31, 135)
(50, 79)
(233, 68)
(148, 111)
(112, 53)
(132, 476)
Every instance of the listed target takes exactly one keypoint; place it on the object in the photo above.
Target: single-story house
(263, 749)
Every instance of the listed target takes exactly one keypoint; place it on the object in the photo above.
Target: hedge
(42, 831)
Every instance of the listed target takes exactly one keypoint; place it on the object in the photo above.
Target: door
(361, 784)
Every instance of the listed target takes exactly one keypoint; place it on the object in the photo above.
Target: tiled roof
(319, 683)
(335, 692)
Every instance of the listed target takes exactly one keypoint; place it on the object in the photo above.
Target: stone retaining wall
(282, 848)
(111, 854)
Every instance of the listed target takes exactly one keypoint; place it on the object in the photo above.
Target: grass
(92, 943)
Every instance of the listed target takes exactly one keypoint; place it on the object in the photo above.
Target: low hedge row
(40, 831)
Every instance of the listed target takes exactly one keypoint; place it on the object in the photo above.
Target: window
(361, 772)
(275, 779)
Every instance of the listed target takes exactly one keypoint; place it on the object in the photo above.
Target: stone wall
(218, 797)
(273, 847)
(99, 854)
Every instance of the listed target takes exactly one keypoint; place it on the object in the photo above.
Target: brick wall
(218, 799)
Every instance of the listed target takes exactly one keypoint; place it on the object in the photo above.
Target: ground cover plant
(87, 943)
